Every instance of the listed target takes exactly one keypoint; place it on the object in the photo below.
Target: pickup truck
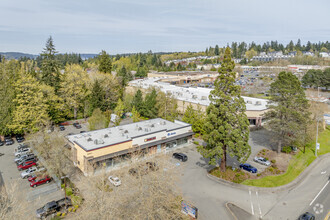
(22, 157)
(31, 170)
(52, 207)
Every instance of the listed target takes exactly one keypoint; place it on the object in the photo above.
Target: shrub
(59, 213)
(273, 161)
(196, 142)
(271, 169)
(70, 209)
(69, 191)
(73, 210)
(259, 174)
(266, 158)
(76, 200)
(63, 214)
(287, 149)
(197, 135)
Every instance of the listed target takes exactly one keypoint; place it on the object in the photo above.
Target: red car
(32, 178)
(40, 181)
(26, 165)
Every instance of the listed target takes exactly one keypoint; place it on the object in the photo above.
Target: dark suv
(76, 125)
(180, 156)
(9, 140)
(20, 138)
(307, 216)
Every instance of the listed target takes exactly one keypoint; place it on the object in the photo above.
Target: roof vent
(140, 129)
(249, 102)
(106, 136)
(125, 131)
(152, 125)
(89, 139)
(258, 103)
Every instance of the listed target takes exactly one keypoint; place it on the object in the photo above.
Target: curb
(230, 210)
(290, 185)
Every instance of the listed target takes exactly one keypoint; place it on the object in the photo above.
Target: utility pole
(317, 133)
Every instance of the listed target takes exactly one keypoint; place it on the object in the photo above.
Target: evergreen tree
(96, 98)
(50, 74)
(138, 101)
(119, 111)
(105, 63)
(227, 126)
(216, 50)
(150, 109)
(288, 110)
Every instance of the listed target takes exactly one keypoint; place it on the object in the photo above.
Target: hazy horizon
(126, 26)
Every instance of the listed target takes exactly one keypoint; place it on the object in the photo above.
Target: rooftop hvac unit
(146, 129)
(249, 102)
(106, 136)
(204, 98)
(258, 103)
(140, 129)
(89, 139)
(125, 131)
(194, 96)
(152, 125)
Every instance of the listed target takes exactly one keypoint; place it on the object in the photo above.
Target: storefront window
(182, 141)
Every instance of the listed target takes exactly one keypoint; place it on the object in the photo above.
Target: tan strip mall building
(110, 146)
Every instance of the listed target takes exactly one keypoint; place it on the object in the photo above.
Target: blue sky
(121, 26)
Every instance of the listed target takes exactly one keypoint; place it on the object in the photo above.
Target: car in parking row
(39, 181)
(248, 167)
(26, 165)
(180, 156)
(262, 161)
(29, 172)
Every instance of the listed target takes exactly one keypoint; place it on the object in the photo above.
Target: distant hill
(17, 55)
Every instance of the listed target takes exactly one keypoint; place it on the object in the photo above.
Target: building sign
(169, 134)
(149, 139)
(189, 209)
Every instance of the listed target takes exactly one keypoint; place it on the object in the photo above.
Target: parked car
(2, 143)
(22, 146)
(76, 125)
(39, 181)
(262, 161)
(180, 156)
(307, 216)
(32, 177)
(82, 131)
(22, 157)
(52, 207)
(62, 128)
(19, 138)
(18, 153)
(248, 167)
(114, 180)
(31, 170)
(9, 141)
(26, 165)
(28, 159)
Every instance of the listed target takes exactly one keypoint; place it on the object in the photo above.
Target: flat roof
(110, 136)
(196, 95)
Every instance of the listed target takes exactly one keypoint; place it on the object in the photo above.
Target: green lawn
(298, 163)
(324, 140)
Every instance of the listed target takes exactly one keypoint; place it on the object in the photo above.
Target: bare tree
(147, 192)
(12, 203)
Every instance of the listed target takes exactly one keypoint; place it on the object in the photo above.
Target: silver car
(262, 161)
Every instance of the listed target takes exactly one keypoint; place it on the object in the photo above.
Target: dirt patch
(236, 176)
(280, 163)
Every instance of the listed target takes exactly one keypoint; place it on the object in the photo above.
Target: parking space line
(319, 193)
(259, 204)
(251, 202)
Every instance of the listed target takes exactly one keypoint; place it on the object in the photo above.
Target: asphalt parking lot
(34, 197)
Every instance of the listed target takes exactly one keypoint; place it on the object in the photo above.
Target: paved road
(210, 196)
(304, 197)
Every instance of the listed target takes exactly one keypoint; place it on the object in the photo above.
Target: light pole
(317, 145)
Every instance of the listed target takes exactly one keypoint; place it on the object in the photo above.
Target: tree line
(316, 78)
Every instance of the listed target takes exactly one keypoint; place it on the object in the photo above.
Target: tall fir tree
(138, 101)
(150, 109)
(105, 62)
(50, 73)
(288, 109)
(227, 126)
(97, 96)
